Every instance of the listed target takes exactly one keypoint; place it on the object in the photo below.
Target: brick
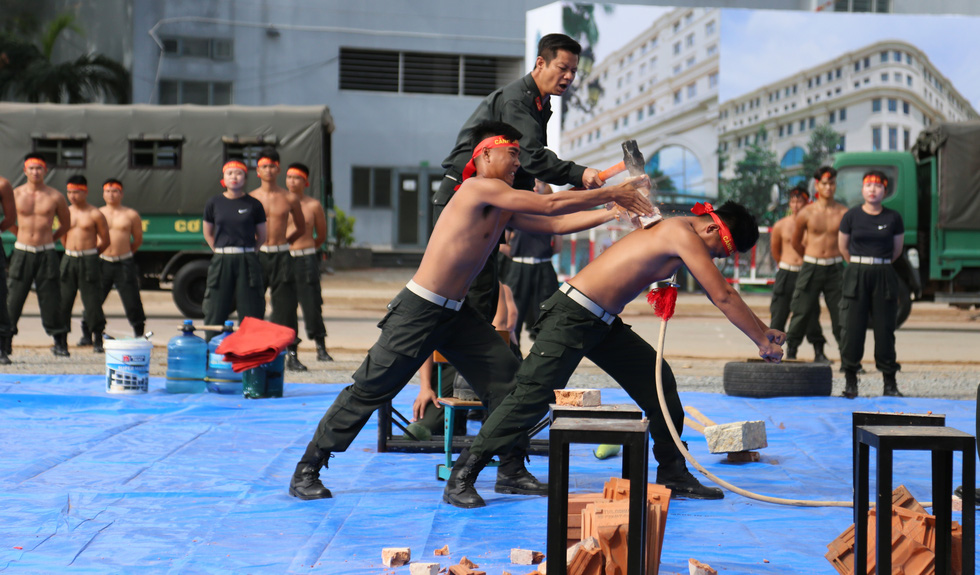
(737, 436)
(396, 556)
(525, 557)
(698, 568)
(424, 569)
(442, 552)
(586, 562)
(578, 397)
(464, 570)
(743, 456)
(587, 545)
(465, 562)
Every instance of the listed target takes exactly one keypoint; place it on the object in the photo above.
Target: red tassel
(663, 300)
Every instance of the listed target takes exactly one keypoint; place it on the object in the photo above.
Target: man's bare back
(37, 208)
(125, 230)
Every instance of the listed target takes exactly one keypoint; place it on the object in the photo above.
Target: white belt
(234, 250)
(125, 256)
(433, 297)
(531, 260)
(82, 253)
(584, 301)
(274, 249)
(302, 252)
(789, 267)
(33, 249)
(869, 260)
(823, 261)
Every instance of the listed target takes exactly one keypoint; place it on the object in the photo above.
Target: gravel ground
(948, 381)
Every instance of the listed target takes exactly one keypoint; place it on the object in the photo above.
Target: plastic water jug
(221, 378)
(187, 361)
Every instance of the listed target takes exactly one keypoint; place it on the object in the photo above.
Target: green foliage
(755, 175)
(820, 149)
(344, 226)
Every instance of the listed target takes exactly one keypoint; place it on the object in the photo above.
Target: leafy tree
(821, 147)
(27, 71)
(755, 175)
(578, 22)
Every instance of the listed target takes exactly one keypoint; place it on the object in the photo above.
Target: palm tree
(27, 72)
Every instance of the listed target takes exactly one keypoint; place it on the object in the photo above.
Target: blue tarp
(99, 483)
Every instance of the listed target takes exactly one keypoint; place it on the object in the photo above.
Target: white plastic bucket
(127, 365)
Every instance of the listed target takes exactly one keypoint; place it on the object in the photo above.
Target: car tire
(756, 378)
(189, 284)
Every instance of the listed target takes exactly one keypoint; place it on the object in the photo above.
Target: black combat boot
(97, 345)
(86, 338)
(791, 350)
(8, 344)
(4, 342)
(818, 355)
(891, 386)
(460, 490)
(60, 347)
(850, 384)
(292, 360)
(673, 474)
(305, 483)
(139, 330)
(513, 477)
(321, 350)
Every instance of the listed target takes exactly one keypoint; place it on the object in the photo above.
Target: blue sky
(762, 46)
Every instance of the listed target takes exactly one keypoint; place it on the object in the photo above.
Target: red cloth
(255, 343)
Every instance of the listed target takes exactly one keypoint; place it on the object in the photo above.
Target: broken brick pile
(913, 540)
(598, 527)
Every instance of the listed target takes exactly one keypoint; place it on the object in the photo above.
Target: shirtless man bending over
(580, 320)
(429, 314)
(34, 260)
(822, 267)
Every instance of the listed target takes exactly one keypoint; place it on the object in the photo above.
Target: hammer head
(633, 158)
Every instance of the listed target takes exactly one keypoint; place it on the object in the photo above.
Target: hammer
(634, 163)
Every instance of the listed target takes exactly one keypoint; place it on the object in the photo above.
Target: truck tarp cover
(108, 130)
(957, 146)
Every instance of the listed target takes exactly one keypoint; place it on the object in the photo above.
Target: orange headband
(35, 162)
(235, 164)
(700, 209)
(111, 186)
(489, 143)
(77, 188)
(266, 162)
(298, 173)
(873, 179)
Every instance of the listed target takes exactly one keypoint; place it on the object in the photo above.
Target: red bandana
(489, 143)
(76, 188)
(35, 162)
(299, 173)
(726, 235)
(872, 179)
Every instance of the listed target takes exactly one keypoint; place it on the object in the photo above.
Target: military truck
(936, 188)
(169, 160)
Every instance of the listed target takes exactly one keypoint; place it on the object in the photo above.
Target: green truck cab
(169, 160)
(936, 188)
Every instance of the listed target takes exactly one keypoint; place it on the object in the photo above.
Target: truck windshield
(849, 183)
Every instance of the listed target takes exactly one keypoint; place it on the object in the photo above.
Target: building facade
(878, 98)
(660, 89)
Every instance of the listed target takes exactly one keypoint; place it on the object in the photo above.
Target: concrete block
(698, 568)
(424, 569)
(525, 557)
(737, 436)
(396, 556)
(442, 552)
(578, 397)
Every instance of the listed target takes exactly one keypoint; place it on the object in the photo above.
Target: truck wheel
(757, 378)
(904, 302)
(188, 289)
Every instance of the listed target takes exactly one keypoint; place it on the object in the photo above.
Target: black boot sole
(294, 493)
(455, 503)
(507, 490)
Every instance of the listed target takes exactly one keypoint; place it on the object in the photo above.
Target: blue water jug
(221, 378)
(187, 361)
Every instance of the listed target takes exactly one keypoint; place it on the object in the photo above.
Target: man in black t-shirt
(234, 226)
(870, 239)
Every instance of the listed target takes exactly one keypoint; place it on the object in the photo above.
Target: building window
(837, 72)
(898, 56)
(884, 56)
(830, 75)
(842, 143)
(875, 139)
(615, 124)
(809, 83)
(709, 28)
(689, 41)
(371, 187)
(781, 129)
(897, 78)
(862, 5)
(892, 105)
(639, 114)
(905, 108)
(789, 129)
(908, 81)
(191, 47)
(802, 125)
(907, 137)
(690, 61)
(162, 153)
(867, 62)
(792, 158)
(677, 97)
(818, 80)
(677, 69)
(833, 117)
(173, 92)
(712, 49)
(876, 105)
(60, 152)
(842, 114)
(677, 47)
(713, 80)
(857, 66)
(651, 110)
(892, 138)
(626, 120)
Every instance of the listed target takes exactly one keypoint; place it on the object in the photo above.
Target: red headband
(489, 143)
(873, 179)
(700, 209)
(266, 161)
(77, 188)
(298, 173)
(35, 162)
(111, 186)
